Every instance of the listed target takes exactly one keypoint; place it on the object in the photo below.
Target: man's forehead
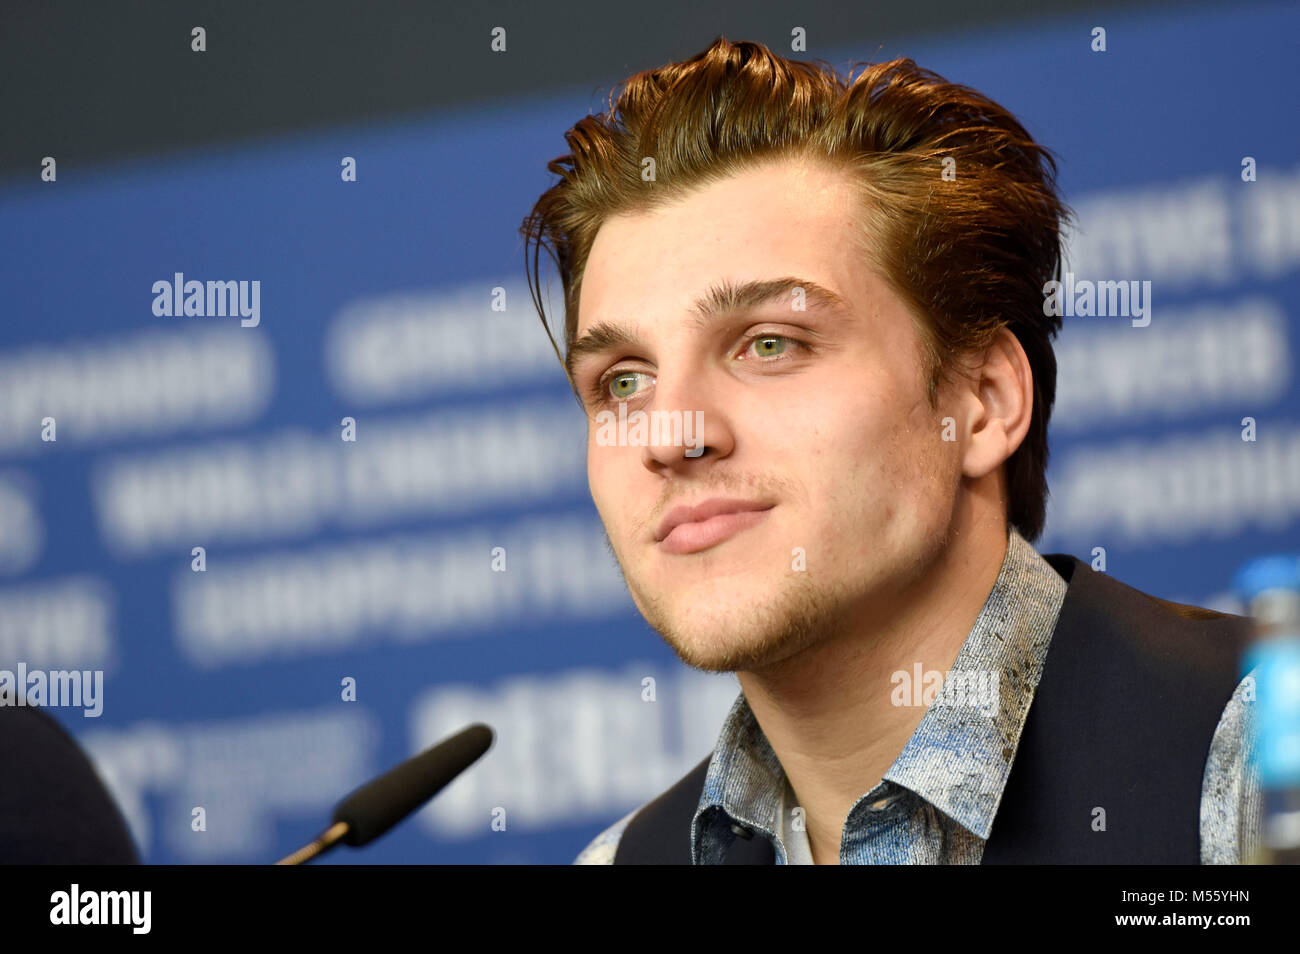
(715, 269)
(777, 218)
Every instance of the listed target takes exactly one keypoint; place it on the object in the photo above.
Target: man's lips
(689, 529)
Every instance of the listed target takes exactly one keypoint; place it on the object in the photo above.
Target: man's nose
(692, 423)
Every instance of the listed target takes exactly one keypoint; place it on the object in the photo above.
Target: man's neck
(828, 713)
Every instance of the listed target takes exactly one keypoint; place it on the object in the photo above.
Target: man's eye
(769, 345)
(622, 385)
(772, 346)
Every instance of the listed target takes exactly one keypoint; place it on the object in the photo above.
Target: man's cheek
(602, 479)
(597, 470)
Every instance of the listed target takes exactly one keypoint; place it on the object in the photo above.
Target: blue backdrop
(398, 301)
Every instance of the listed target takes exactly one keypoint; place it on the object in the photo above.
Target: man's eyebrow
(729, 297)
(722, 299)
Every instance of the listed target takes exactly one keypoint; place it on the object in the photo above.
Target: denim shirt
(936, 803)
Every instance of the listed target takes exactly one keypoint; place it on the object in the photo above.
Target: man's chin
(737, 647)
(713, 635)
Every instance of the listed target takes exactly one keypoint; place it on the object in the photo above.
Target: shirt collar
(959, 757)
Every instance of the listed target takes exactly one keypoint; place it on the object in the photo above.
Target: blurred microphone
(379, 805)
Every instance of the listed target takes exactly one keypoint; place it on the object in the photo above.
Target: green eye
(623, 386)
(763, 351)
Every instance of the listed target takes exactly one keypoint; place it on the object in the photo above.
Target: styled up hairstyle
(960, 211)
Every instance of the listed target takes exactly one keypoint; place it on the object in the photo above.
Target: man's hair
(960, 212)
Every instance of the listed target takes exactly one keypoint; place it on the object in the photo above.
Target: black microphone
(380, 804)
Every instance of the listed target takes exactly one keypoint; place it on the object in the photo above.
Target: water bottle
(1270, 589)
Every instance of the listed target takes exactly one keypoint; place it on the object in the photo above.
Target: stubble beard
(749, 638)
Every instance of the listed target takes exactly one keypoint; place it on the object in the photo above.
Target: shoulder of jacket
(1196, 636)
(671, 809)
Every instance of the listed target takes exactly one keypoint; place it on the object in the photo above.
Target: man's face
(816, 420)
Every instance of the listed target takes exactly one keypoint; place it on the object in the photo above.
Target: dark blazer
(54, 809)
(1132, 690)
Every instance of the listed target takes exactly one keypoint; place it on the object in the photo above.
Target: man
(843, 281)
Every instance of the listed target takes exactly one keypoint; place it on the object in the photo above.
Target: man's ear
(1001, 403)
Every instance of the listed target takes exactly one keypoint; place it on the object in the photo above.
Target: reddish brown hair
(969, 252)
